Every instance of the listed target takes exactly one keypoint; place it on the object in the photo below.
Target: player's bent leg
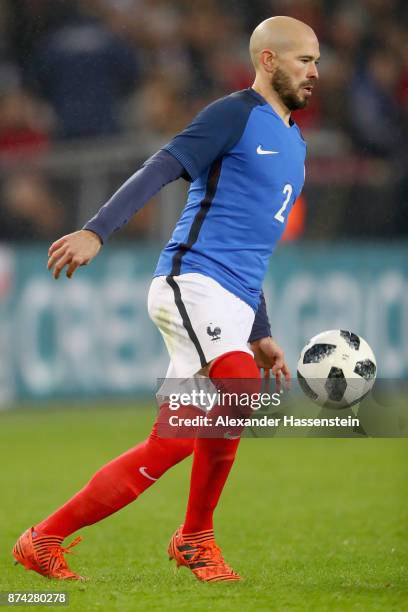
(114, 486)
(193, 545)
(117, 484)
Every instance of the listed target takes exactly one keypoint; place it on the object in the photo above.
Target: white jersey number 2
(287, 192)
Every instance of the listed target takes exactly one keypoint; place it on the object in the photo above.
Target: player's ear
(267, 60)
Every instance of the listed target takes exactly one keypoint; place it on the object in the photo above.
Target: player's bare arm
(71, 251)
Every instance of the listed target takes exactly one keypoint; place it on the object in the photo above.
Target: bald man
(244, 157)
(285, 54)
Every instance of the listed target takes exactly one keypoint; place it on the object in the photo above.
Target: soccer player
(244, 157)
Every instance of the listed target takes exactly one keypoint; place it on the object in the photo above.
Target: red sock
(213, 457)
(117, 483)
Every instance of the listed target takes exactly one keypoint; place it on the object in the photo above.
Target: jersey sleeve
(213, 132)
(156, 172)
(261, 327)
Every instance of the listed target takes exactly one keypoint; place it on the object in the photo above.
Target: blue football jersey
(247, 169)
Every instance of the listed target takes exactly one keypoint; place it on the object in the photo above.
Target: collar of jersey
(264, 102)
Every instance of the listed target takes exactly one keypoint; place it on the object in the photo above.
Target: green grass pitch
(312, 524)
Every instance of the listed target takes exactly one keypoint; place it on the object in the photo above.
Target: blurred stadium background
(89, 89)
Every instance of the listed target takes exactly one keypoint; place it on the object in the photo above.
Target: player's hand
(73, 250)
(269, 356)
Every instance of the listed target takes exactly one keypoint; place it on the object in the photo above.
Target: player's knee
(236, 364)
(237, 373)
(164, 441)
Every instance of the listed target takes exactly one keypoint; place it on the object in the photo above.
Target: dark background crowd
(77, 77)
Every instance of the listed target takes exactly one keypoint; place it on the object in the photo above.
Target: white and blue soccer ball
(336, 368)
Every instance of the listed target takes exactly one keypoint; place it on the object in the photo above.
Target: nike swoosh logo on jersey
(262, 151)
(142, 470)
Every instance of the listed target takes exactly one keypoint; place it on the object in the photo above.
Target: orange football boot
(203, 557)
(45, 555)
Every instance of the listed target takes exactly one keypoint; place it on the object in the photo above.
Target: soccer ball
(336, 368)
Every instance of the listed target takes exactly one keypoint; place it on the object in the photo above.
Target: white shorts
(199, 321)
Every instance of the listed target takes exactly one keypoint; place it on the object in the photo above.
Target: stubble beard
(282, 84)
